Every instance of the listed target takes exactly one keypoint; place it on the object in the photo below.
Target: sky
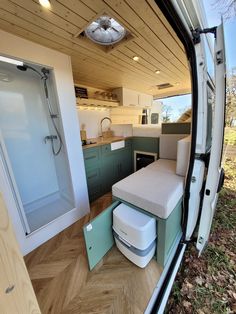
(214, 18)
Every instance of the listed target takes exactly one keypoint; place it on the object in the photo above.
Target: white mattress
(156, 188)
(163, 165)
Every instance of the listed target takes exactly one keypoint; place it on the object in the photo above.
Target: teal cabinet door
(105, 167)
(126, 163)
(92, 161)
(98, 236)
(108, 173)
(123, 163)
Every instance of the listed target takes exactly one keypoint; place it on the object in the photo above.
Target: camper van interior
(92, 177)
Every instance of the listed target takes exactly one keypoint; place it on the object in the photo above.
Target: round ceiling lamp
(45, 3)
(105, 31)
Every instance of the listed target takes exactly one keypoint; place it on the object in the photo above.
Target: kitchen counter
(102, 141)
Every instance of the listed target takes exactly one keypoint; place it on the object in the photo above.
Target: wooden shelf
(91, 102)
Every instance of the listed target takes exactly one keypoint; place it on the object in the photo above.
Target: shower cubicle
(31, 145)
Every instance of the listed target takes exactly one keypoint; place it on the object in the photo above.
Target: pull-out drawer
(91, 157)
(94, 183)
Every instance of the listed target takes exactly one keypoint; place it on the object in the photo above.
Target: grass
(207, 285)
(230, 136)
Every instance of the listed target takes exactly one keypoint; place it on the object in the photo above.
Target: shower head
(25, 67)
(22, 67)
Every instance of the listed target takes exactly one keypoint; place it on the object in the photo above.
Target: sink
(117, 145)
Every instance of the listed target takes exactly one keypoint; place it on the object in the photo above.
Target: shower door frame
(13, 185)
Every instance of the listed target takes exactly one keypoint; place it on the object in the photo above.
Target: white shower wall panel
(24, 124)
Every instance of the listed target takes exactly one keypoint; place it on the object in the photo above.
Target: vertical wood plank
(16, 291)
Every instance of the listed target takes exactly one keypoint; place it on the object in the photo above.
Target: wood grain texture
(154, 41)
(63, 283)
(21, 299)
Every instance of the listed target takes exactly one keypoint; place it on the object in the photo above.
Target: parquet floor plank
(64, 285)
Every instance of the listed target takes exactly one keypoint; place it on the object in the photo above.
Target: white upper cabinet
(145, 100)
(131, 98)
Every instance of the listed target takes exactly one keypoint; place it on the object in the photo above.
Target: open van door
(215, 174)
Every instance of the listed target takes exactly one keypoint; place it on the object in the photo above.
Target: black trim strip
(173, 18)
(171, 15)
(166, 280)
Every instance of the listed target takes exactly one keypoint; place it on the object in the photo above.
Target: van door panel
(214, 169)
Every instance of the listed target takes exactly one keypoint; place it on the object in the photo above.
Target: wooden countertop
(102, 141)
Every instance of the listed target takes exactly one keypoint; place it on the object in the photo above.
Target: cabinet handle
(90, 157)
(9, 289)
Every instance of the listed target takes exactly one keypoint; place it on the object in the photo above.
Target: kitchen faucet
(105, 118)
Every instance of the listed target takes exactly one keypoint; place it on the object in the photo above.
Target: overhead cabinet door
(215, 173)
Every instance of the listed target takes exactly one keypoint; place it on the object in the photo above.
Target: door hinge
(205, 158)
(219, 57)
(197, 32)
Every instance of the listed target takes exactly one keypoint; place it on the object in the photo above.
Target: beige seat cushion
(183, 152)
(152, 188)
(168, 145)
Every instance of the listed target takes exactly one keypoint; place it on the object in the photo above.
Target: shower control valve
(50, 138)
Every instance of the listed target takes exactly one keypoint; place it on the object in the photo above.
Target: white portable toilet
(135, 234)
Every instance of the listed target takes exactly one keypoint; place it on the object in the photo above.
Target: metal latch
(197, 32)
(219, 57)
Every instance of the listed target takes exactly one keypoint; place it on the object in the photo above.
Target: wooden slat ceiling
(154, 42)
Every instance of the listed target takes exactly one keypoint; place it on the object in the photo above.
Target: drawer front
(91, 157)
(94, 183)
(93, 176)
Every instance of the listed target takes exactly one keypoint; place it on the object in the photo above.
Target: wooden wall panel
(16, 291)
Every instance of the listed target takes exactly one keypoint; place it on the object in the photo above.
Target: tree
(230, 109)
(166, 113)
(227, 8)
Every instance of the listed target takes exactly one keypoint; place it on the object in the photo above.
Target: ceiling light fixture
(157, 71)
(135, 58)
(12, 61)
(45, 3)
(177, 83)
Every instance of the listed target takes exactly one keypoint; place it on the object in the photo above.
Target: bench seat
(155, 188)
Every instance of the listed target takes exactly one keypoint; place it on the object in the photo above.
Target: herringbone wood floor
(63, 283)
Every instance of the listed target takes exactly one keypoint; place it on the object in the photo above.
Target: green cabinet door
(126, 163)
(105, 167)
(98, 235)
(108, 173)
(123, 163)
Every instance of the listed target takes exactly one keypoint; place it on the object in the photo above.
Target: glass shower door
(10, 176)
